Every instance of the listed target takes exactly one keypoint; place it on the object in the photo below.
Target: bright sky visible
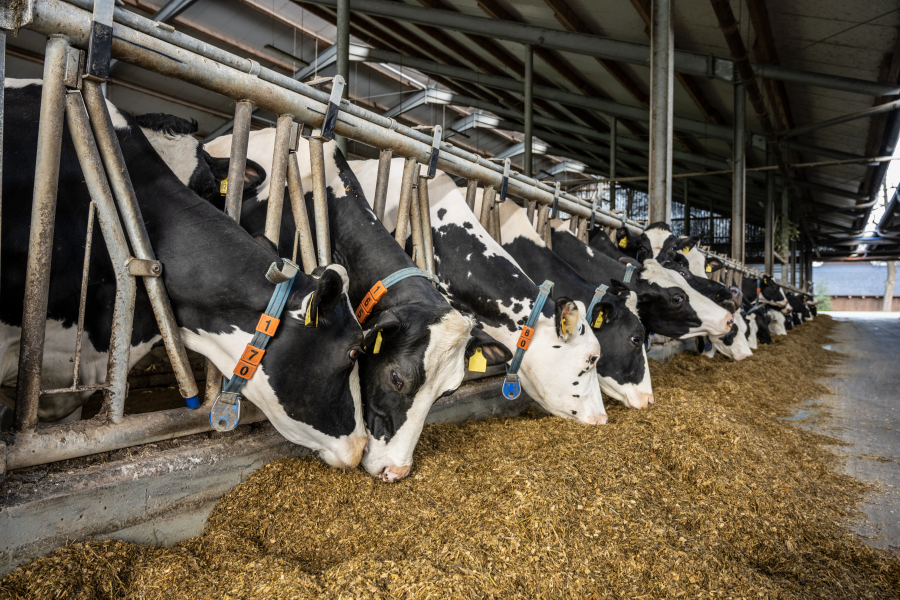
(892, 179)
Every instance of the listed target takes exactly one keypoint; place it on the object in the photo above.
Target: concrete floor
(864, 412)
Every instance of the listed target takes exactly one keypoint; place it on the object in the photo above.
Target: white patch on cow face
(697, 263)
(740, 347)
(13, 83)
(776, 326)
(752, 340)
(657, 238)
(59, 355)
(260, 149)
(224, 350)
(444, 363)
(178, 151)
(714, 320)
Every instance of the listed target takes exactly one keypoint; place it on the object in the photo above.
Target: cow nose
(600, 419)
(639, 400)
(395, 473)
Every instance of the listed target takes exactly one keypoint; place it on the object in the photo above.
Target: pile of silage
(706, 494)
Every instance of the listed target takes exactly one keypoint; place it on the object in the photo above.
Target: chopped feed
(706, 494)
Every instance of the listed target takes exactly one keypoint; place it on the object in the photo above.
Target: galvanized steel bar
(342, 55)
(661, 112)
(40, 242)
(415, 223)
(410, 172)
(425, 217)
(869, 112)
(130, 212)
(320, 200)
(237, 164)
(687, 210)
(529, 109)
(2, 106)
(471, 193)
(89, 157)
(495, 222)
(301, 217)
(613, 143)
(738, 202)
(487, 201)
(277, 178)
(381, 184)
(82, 301)
(769, 250)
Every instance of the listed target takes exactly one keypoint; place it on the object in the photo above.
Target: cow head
(657, 242)
(729, 298)
(770, 292)
(734, 344)
(623, 370)
(763, 321)
(628, 242)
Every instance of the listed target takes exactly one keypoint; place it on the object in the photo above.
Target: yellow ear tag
(709, 268)
(308, 310)
(599, 320)
(623, 243)
(478, 362)
(686, 250)
(223, 186)
(377, 347)
(563, 325)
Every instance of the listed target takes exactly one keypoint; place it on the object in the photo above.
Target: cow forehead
(657, 238)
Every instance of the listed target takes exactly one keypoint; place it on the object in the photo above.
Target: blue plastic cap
(193, 402)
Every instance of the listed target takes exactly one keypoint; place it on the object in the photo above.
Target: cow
(623, 369)
(307, 383)
(666, 304)
(779, 324)
(799, 310)
(479, 277)
(424, 341)
(763, 290)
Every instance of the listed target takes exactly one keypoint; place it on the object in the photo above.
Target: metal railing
(305, 112)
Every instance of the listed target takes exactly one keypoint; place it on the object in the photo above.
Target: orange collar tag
(368, 303)
(525, 337)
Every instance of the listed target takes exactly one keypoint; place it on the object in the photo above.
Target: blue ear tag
(226, 411)
(707, 346)
(511, 388)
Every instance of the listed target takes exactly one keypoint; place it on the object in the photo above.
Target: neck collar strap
(629, 272)
(226, 409)
(511, 386)
(598, 296)
(380, 289)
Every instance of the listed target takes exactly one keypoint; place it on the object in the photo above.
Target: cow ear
(327, 295)
(713, 264)
(602, 314)
(686, 244)
(566, 318)
(388, 323)
(622, 240)
(493, 351)
(254, 174)
(619, 287)
(266, 243)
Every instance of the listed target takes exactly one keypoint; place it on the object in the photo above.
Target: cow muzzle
(600, 419)
(638, 400)
(394, 473)
(347, 453)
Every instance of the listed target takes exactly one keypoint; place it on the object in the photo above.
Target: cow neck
(541, 263)
(214, 273)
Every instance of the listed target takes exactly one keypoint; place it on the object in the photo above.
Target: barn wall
(868, 303)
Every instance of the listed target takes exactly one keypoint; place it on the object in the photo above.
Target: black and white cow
(308, 382)
(667, 305)
(424, 340)
(479, 277)
(800, 312)
(623, 369)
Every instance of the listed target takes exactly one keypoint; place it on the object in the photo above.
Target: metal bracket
(225, 413)
(144, 268)
(435, 152)
(593, 212)
(74, 66)
(15, 15)
(296, 134)
(505, 185)
(100, 45)
(554, 213)
(326, 133)
(511, 388)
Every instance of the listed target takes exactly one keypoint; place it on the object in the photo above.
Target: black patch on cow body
(440, 214)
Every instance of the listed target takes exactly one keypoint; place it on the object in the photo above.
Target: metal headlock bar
(142, 42)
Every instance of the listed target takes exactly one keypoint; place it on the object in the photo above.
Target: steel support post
(130, 211)
(687, 209)
(738, 202)
(2, 104)
(320, 200)
(40, 242)
(237, 164)
(661, 114)
(582, 230)
(301, 217)
(495, 223)
(425, 217)
(803, 257)
(410, 172)
(471, 193)
(117, 245)
(342, 46)
(487, 202)
(277, 178)
(613, 143)
(381, 184)
(415, 225)
(529, 109)
(769, 250)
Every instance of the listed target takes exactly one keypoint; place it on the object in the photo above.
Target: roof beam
(685, 62)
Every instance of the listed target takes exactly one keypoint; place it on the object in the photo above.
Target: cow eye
(677, 299)
(354, 354)
(396, 380)
(635, 341)
(593, 359)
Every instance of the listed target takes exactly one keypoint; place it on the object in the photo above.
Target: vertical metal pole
(301, 217)
(769, 250)
(471, 192)
(277, 178)
(687, 209)
(629, 201)
(529, 108)
(425, 216)
(487, 202)
(237, 165)
(415, 223)
(116, 243)
(410, 171)
(495, 223)
(803, 259)
(661, 72)
(342, 44)
(320, 200)
(530, 209)
(126, 199)
(582, 230)
(2, 105)
(40, 242)
(737, 187)
(381, 184)
(613, 143)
